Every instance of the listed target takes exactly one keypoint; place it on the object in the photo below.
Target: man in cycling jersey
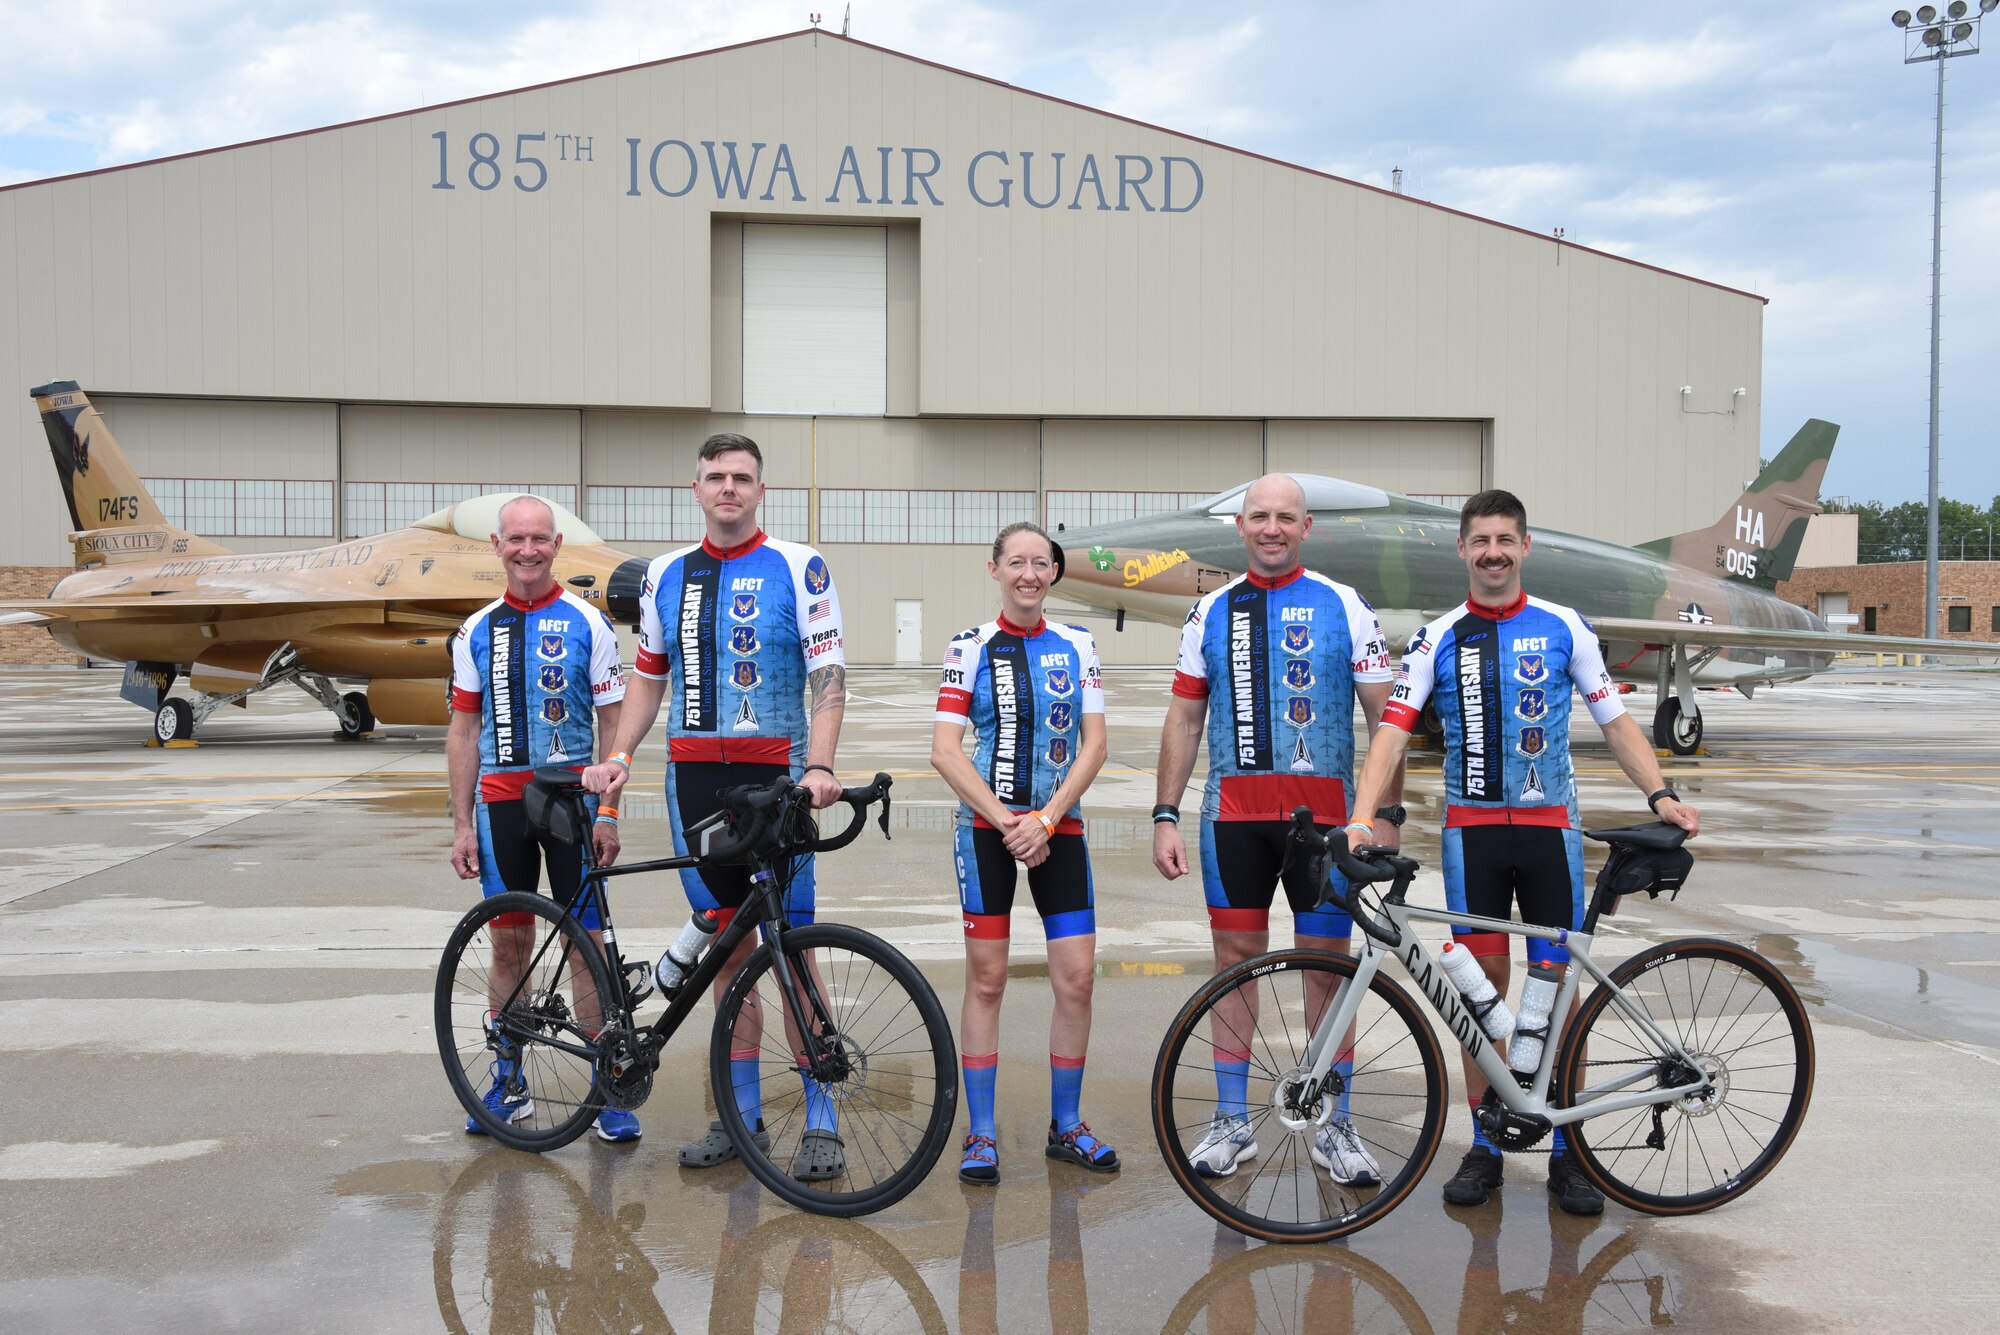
(742, 628)
(1500, 670)
(1274, 661)
(530, 671)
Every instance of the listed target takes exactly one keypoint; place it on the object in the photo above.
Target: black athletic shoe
(1477, 1178)
(1572, 1190)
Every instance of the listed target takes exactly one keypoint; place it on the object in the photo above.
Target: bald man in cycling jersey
(1274, 661)
(1500, 670)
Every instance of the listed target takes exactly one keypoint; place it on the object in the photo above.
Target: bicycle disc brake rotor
(1294, 1106)
(1705, 1102)
(843, 1062)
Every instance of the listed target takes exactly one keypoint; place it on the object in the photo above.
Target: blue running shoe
(617, 1126)
(507, 1099)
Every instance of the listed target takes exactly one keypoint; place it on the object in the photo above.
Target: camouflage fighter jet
(377, 611)
(1696, 610)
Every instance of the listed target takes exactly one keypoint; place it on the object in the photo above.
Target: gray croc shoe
(715, 1147)
(820, 1157)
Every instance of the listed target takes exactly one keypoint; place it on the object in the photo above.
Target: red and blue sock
(980, 1074)
(1065, 1090)
(1232, 1082)
(749, 1086)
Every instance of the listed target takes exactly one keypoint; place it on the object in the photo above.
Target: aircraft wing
(1713, 635)
(42, 611)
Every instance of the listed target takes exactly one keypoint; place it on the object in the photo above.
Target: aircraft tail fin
(109, 507)
(1757, 540)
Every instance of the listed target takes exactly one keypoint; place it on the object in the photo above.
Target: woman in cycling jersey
(1031, 691)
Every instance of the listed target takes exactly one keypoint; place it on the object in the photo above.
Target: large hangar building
(939, 302)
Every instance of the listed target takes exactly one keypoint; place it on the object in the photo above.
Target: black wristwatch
(1166, 811)
(1395, 815)
(1653, 799)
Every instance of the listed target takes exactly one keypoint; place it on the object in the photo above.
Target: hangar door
(1432, 461)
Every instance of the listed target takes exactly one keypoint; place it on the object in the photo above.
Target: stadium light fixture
(1931, 41)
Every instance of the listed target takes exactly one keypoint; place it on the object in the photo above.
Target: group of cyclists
(741, 644)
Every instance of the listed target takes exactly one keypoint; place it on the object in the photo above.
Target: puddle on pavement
(1906, 996)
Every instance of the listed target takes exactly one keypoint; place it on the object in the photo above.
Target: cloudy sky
(1782, 148)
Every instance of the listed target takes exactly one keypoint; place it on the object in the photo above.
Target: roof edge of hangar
(901, 55)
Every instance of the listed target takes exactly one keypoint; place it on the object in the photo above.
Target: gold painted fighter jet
(1696, 610)
(376, 611)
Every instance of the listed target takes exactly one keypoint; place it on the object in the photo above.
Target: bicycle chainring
(624, 1068)
(1510, 1131)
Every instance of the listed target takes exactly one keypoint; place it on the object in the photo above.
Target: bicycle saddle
(1656, 836)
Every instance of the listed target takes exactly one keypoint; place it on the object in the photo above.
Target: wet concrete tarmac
(223, 1107)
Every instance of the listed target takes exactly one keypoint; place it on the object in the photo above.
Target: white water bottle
(1531, 1031)
(680, 957)
(1487, 1005)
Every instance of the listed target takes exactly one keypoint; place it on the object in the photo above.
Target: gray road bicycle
(1679, 1084)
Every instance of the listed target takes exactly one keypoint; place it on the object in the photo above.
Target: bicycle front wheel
(516, 1057)
(1742, 1023)
(1251, 1145)
(863, 1137)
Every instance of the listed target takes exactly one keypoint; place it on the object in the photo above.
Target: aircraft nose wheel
(1678, 732)
(174, 722)
(354, 714)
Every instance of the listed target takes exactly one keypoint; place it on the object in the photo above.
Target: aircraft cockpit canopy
(478, 517)
(1322, 494)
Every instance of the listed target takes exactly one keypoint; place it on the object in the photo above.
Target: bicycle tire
(894, 1109)
(561, 1086)
(1741, 1018)
(1396, 1097)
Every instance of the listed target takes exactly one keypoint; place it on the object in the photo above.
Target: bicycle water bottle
(1531, 1031)
(679, 959)
(1487, 1005)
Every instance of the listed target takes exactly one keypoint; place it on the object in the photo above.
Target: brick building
(1888, 599)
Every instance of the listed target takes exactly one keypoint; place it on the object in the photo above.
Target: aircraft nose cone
(622, 594)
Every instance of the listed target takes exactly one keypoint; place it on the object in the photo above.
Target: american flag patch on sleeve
(820, 610)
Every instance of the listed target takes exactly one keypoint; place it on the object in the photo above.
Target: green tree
(1896, 532)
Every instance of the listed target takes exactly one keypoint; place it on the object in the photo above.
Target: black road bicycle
(849, 1038)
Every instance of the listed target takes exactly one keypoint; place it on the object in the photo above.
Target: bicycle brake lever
(883, 821)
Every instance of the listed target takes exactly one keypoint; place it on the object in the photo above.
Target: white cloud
(1527, 194)
(1635, 67)
(1178, 82)
(1672, 199)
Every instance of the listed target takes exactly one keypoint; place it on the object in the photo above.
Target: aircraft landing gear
(354, 715)
(174, 721)
(1675, 730)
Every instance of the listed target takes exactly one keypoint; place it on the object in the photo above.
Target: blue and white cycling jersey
(1025, 692)
(535, 673)
(734, 634)
(1501, 680)
(1277, 661)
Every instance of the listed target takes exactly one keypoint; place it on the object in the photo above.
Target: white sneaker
(1229, 1141)
(1338, 1150)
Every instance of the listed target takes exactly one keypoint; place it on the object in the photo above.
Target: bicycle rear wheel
(1229, 1068)
(1742, 1022)
(525, 1042)
(892, 1093)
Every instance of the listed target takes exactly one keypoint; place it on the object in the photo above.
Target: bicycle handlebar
(1367, 866)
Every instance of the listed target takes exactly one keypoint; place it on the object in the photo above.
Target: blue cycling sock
(1065, 1090)
(749, 1087)
(981, 1073)
(1232, 1083)
(1345, 1069)
(1479, 1133)
(1560, 1146)
(819, 1105)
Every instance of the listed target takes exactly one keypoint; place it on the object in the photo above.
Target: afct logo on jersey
(550, 646)
(816, 577)
(1298, 640)
(1059, 682)
(1531, 667)
(743, 606)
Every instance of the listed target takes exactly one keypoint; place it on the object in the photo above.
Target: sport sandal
(1079, 1147)
(980, 1161)
(715, 1147)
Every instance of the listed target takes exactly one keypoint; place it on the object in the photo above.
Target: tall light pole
(1937, 37)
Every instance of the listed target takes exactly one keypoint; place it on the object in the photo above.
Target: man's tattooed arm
(828, 689)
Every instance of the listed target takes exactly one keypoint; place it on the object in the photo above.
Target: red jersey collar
(1278, 583)
(732, 553)
(555, 592)
(1025, 632)
(1497, 613)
